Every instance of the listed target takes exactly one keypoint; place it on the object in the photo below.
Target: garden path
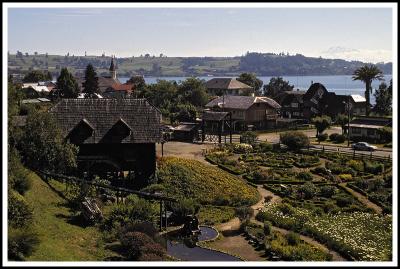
(364, 200)
(276, 199)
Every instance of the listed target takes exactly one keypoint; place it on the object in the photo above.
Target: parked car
(363, 146)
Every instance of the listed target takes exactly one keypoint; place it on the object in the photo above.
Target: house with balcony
(258, 112)
(228, 86)
(367, 128)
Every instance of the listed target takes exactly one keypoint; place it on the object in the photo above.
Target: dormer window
(118, 132)
(82, 131)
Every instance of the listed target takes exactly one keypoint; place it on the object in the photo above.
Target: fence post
(323, 148)
(370, 156)
(354, 154)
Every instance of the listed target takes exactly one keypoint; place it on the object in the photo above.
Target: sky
(348, 33)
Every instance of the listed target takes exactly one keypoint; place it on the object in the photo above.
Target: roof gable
(240, 102)
(226, 83)
(137, 114)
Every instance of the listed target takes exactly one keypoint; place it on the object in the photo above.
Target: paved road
(379, 153)
(274, 138)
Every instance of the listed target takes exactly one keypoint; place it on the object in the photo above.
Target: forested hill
(263, 64)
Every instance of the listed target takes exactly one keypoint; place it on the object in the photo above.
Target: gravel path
(364, 200)
(276, 199)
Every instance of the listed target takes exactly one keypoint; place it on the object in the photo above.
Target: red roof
(122, 87)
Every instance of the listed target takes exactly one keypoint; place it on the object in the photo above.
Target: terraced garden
(318, 198)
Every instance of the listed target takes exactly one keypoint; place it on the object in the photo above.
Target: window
(356, 130)
(314, 101)
(295, 104)
(240, 114)
(320, 93)
(371, 132)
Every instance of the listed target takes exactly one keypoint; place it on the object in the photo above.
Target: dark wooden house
(292, 105)
(186, 132)
(261, 112)
(113, 135)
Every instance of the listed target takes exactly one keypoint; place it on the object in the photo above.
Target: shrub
(345, 177)
(242, 148)
(184, 208)
(265, 147)
(304, 176)
(320, 170)
(19, 212)
(261, 216)
(333, 136)
(244, 212)
(373, 167)
(356, 165)
(276, 147)
(344, 201)
(286, 209)
(340, 138)
(248, 137)
(260, 175)
(268, 198)
(327, 191)
(21, 243)
(321, 123)
(292, 238)
(294, 140)
(322, 137)
(138, 245)
(17, 175)
(132, 210)
(244, 224)
(385, 134)
(267, 228)
(308, 189)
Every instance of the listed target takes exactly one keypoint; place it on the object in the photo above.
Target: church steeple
(113, 71)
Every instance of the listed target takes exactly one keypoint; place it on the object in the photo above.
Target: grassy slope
(184, 178)
(60, 240)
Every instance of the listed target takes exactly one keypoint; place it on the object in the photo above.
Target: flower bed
(358, 235)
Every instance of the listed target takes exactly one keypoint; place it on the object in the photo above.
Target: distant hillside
(263, 64)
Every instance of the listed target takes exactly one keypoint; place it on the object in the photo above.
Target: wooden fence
(354, 154)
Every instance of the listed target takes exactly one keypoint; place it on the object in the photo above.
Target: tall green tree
(91, 84)
(251, 80)
(342, 120)
(67, 85)
(36, 76)
(275, 86)
(139, 85)
(321, 123)
(367, 74)
(383, 99)
(192, 90)
(43, 146)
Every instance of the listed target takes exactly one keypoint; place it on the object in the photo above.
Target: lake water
(185, 251)
(338, 84)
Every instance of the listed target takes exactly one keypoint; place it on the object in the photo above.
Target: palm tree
(367, 74)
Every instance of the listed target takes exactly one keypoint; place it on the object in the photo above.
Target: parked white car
(363, 146)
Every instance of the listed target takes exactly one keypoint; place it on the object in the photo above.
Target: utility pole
(348, 121)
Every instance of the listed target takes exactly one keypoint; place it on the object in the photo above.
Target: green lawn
(59, 239)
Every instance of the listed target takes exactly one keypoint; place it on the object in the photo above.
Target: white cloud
(364, 55)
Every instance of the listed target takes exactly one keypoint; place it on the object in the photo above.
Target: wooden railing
(68, 179)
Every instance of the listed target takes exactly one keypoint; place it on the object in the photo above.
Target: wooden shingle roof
(226, 83)
(142, 118)
(241, 102)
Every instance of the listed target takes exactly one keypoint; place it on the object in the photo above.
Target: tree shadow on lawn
(76, 220)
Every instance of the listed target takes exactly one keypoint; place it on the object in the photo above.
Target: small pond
(186, 249)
